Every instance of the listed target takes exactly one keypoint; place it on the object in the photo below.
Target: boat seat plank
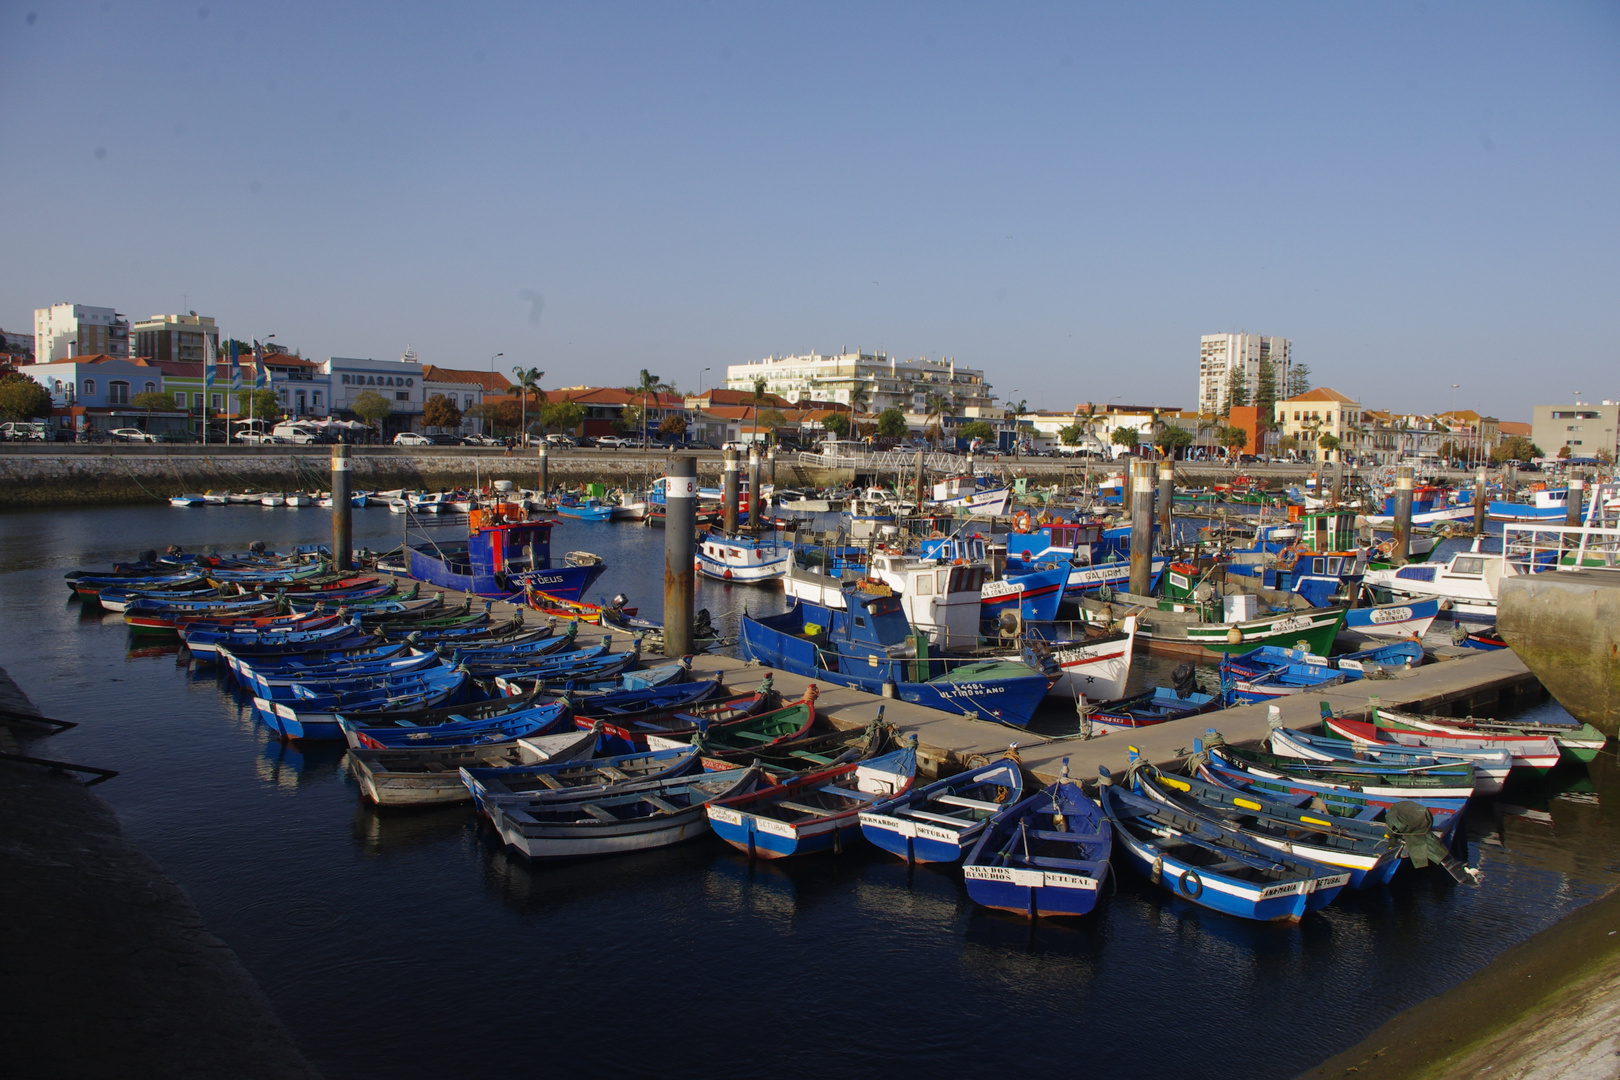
(845, 793)
(971, 804)
(753, 736)
(1055, 863)
(923, 815)
(816, 759)
(801, 808)
(612, 773)
(435, 766)
(550, 781)
(662, 804)
(1064, 837)
(597, 812)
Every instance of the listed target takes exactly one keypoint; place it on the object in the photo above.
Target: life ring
(1021, 521)
(1287, 558)
(1190, 884)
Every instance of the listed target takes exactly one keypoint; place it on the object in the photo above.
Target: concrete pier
(1566, 625)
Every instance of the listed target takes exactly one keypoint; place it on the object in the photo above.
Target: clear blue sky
(1066, 195)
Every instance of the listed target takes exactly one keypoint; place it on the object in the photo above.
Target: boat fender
(1157, 873)
(1191, 885)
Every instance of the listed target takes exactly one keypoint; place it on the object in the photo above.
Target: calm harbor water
(410, 945)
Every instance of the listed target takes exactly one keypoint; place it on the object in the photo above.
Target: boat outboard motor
(700, 623)
(148, 556)
(257, 547)
(1185, 680)
(618, 601)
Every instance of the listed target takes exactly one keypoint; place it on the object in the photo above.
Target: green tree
(1233, 438)
(838, 424)
(673, 426)
(498, 416)
(526, 384)
(1563, 452)
(1328, 443)
(936, 405)
(1071, 435)
(978, 429)
(21, 398)
(772, 419)
(649, 386)
(891, 423)
(439, 411)
(565, 416)
(1288, 443)
(262, 404)
(1299, 379)
(150, 400)
(371, 407)
(1128, 437)
(1237, 388)
(1265, 401)
(1171, 438)
(629, 419)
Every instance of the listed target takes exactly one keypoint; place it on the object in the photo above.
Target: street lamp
(491, 382)
(702, 373)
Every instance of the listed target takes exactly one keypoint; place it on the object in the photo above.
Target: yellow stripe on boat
(1315, 821)
(1247, 804)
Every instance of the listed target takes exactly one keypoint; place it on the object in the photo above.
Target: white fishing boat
(1467, 584)
(942, 601)
(1095, 670)
(274, 498)
(964, 493)
(299, 498)
(741, 559)
(216, 498)
(187, 500)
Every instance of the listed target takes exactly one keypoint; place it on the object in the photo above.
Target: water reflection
(287, 765)
(378, 831)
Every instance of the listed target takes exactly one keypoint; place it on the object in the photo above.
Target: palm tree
(858, 399)
(527, 382)
(757, 398)
(936, 405)
(648, 386)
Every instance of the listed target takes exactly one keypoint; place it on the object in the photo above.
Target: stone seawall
(40, 476)
(104, 475)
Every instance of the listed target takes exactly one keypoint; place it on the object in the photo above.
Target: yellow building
(1319, 412)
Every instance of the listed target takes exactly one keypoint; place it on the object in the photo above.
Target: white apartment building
(880, 380)
(1218, 354)
(63, 331)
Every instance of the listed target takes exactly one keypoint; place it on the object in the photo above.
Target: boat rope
(125, 465)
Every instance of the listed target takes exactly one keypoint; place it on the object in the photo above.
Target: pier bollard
(1141, 526)
(770, 467)
(545, 470)
(756, 503)
(728, 494)
(680, 507)
(1479, 502)
(342, 510)
(1167, 493)
(1403, 515)
(921, 480)
(1577, 491)
(1338, 481)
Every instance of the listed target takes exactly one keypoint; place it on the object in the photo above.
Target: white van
(299, 434)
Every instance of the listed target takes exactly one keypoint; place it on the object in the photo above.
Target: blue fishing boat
(1195, 859)
(1395, 654)
(817, 812)
(421, 776)
(315, 715)
(1362, 849)
(1047, 855)
(585, 509)
(499, 558)
(940, 822)
(536, 719)
(742, 559)
(1034, 593)
(1441, 790)
(1161, 704)
(1251, 681)
(869, 646)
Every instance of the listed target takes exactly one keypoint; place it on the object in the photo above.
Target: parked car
(560, 440)
(615, 442)
(175, 435)
(442, 438)
(478, 438)
(130, 434)
(23, 431)
(733, 444)
(411, 438)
